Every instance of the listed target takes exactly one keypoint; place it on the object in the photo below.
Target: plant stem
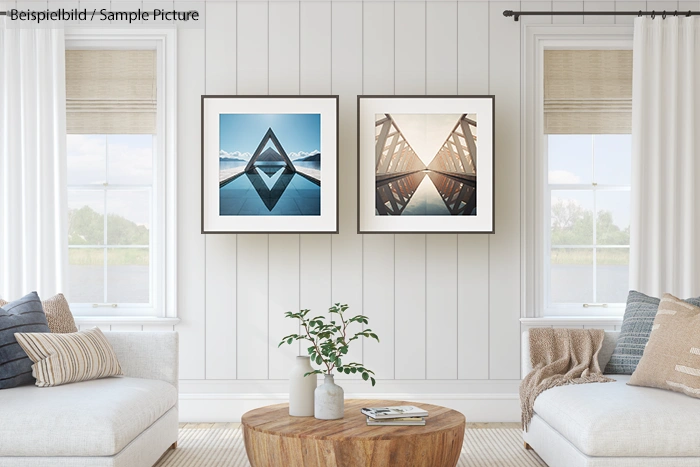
(318, 351)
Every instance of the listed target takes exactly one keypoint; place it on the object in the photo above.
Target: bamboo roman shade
(111, 91)
(587, 91)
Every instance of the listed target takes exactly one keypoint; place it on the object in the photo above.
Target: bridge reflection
(426, 192)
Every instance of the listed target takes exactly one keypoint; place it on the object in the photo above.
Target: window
(588, 200)
(120, 173)
(586, 155)
(110, 211)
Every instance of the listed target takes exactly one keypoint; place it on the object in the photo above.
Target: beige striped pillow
(671, 358)
(57, 312)
(68, 358)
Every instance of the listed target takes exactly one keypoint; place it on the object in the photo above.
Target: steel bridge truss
(393, 155)
(457, 155)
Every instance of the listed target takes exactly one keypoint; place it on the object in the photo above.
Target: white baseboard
(228, 407)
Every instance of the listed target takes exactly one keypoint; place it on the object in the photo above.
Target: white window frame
(534, 182)
(163, 247)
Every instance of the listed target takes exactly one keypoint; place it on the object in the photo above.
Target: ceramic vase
(329, 400)
(301, 389)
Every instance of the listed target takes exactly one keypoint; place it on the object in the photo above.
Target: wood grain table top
(275, 419)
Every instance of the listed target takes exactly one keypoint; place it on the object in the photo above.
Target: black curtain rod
(517, 14)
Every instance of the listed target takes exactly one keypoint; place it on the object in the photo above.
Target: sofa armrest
(606, 350)
(150, 355)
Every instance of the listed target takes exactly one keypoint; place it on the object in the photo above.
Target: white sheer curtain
(33, 217)
(665, 228)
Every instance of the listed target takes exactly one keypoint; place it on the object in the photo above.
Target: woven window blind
(111, 91)
(587, 91)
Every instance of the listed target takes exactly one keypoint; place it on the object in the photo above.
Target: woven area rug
(219, 447)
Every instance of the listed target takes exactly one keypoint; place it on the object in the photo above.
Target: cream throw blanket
(560, 357)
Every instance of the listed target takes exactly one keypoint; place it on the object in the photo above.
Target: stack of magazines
(402, 415)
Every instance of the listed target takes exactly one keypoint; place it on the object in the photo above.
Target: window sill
(123, 320)
(572, 321)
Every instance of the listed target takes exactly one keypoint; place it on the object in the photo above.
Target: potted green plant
(330, 339)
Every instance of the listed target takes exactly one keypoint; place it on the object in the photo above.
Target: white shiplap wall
(447, 307)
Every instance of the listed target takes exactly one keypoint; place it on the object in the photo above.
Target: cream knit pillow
(57, 312)
(68, 358)
(671, 358)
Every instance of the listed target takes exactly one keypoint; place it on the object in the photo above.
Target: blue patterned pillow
(634, 335)
(23, 315)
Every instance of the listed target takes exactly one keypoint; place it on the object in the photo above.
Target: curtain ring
(640, 14)
(664, 15)
(653, 14)
(675, 13)
(689, 14)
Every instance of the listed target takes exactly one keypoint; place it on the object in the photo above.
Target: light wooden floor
(205, 426)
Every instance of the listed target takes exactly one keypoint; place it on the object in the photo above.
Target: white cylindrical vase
(329, 400)
(301, 389)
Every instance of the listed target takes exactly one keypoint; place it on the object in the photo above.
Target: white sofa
(125, 421)
(613, 424)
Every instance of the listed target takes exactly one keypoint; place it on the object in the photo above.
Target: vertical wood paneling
(283, 261)
(220, 249)
(315, 273)
(409, 61)
(441, 312)
(315, 58)
(567, 6)
(378, 48)
(441, 45)
(284, 48)
(220, 281)
(252, 305)
(252, 40)
(541, 5)
(283, 296)
(346, 76)
(504, 252)
(409, 250)
(410, 318)
(598, 6)
(472, 60)
(473, 250)
(378, 267)
(441, 250)
(315, 47)
(253, 250)
(191, 255)
(628, 6)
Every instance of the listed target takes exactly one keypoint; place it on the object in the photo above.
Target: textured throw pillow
(23, 315)
(58, 314)
(634, 335)
(672, 357)
(68, 358)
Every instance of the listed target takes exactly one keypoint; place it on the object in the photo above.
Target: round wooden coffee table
(274, 439)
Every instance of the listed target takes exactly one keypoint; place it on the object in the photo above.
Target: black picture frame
(492, 158)
(334, 178)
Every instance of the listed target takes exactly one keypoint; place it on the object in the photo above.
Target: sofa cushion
(90, 418)
(69, 357)
(58, 313)
(614, 419)
(23, 315)
(636, 326)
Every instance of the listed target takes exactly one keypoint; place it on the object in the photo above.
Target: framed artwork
(425, 164)
(269, 164)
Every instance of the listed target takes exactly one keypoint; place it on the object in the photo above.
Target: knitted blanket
(560, 357)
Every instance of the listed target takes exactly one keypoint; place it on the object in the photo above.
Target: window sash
(571, 308)
(163, 248)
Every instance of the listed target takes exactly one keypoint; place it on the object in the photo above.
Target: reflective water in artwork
(269, 164)
(425, 165)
